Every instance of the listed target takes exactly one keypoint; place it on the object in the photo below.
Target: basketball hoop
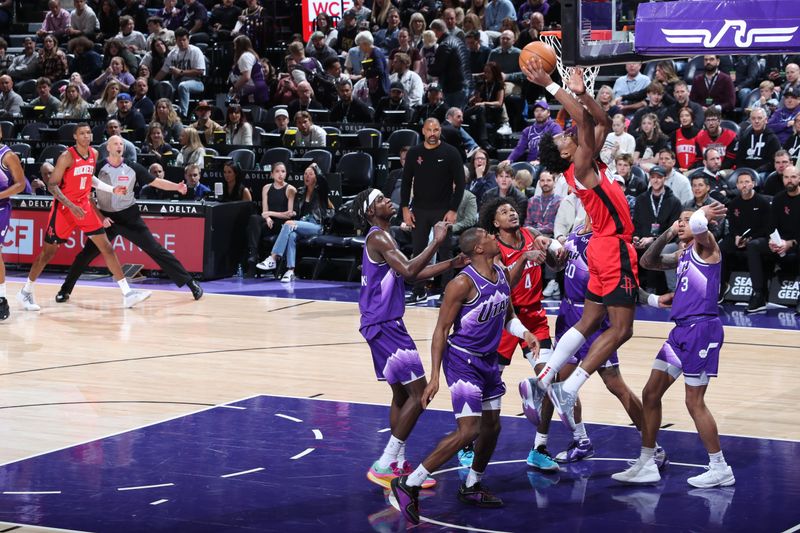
(553, 38)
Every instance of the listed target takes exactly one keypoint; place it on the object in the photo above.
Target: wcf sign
(312, 8)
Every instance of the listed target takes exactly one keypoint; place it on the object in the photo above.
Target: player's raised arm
(63, 163)
(535, 73)
(704, 242)
(410, 269)
(652, 258)
(11, 160)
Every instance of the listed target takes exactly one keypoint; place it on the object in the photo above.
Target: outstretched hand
(535, 72)
(714, 210)
(533, 344)
(460, 261)
(576, 83)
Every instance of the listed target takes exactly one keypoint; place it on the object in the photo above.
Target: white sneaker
(288, 277)
(134, 297)
(505, 129)
(641, 473)
(267, 264)
(550, 289)
(27, 301)
(714, 477)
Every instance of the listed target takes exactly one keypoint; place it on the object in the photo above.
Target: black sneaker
(197, 290)
(416, 298)
(62, 297)
(479, 496)
(758, 302)
(4, 311)
(407, 499)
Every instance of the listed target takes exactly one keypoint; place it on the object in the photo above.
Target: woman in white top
(108, 99)
(72, 104)
(618, 141)
(238, 131)
(192, 151)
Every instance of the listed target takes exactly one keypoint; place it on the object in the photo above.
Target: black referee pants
(129, 224)
(425, 219)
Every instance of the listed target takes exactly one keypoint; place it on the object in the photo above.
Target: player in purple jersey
(12, 181)
(476, 306)
(692, 348)
(382, 305)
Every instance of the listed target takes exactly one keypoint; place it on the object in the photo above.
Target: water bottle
(239, 271)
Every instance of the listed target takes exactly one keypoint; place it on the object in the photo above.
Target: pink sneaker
(406, 469)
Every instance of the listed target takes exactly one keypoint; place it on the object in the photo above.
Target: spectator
(785, 219)
(455, 135)
(156, 55)
(388, 38)
(195, 189)
(113, 127)
(56, 21)
(684, 139)
(533, 32)
(774, 182)
(617, 142)
(792, 79)
(757, 144)
(379, 14)
(631, 82)
(234, 189)
(52, 61)
(132, 39)
(451, 64)
(701, 190)
(281, 121)
(649, 142)
(466, 216)
(85, 61)
(655, 106)
(10, 101)
(413, 87)
(570, 215)
(39, 185)
(528, 9)
(605, 99)
(394, 102)
(223, 19)
(523, 181)
(373, 67)
(527, 148)
(167, 118)
(25, 65)
(767, 93)
(507, 58)
(108, 19)
(348, 109)
(318, 49)
(323, 24)
(136, 10)
(746, 73)
(477, 50)
(171, 15)
(204, 124)
(116, 48)
(404, 45)
(156, 30)
(435, 108)
(478, 177)
(633, 184)
(142, 102)
(449, 18)
(792, 144)
(542, 208)
(781, 122)
(348, 29)
(76, 79)
(187, 67)
(428, 52)
(394, 181)
(83, 21)
(496, 11)
(108, 98)
(117, 71)
(192, 151)
(277, 201)
(720, 139)
(130, 119)
(72, 104)
(671, 121)
(44, 99)
(504, 175)
(308, 133)
(713, 88)
(716, 176)
(238, 131)
(677, 182)
(154, 143)
(488, 104)
(195, 17)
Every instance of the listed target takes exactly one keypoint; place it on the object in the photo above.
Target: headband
(373, 195)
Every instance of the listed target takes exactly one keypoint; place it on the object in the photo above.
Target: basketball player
(382, 305)
(613, 275)
(120, 216)
(12, 181)
(692, 348)
(476, 306)
(70, 184)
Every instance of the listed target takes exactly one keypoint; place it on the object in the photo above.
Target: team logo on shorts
(627, 285)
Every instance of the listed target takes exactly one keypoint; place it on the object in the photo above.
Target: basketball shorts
(613, 271)
(568, 315)
(475, 383)
(61, 222)
(5, 221)
(692, 350)
(535, 320)
(394, 354)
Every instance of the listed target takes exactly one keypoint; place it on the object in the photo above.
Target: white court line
(243, 472)
(384, 430)
(159, 502)
(303, 453)
(317, 434)
(793, 529)
(140, 487)
(13, 492)
(233, 407)
(287, 417)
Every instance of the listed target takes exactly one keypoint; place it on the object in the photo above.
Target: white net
(589, 73)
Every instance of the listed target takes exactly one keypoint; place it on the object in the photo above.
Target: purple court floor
(271, 463)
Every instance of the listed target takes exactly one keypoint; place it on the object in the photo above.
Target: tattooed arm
(652, 258)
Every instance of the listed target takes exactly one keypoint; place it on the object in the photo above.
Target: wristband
(652, 300)
(552, 88)
(102, 186)
(555, 246)
(515, 327)
(698, 222)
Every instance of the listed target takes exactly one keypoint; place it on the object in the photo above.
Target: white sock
(390, 452)
(646, 454)
(418, 477)
(540, 440)
(717, 460)
(3, 290)
(124, 287)
(580, 432)
(401, 454)
(567, 346)
(575, 381)
(28, 285)
(473, 477)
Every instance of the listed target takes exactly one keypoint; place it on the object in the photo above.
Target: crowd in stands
(684, 133)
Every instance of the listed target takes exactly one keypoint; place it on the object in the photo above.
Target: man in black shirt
(394, 102)
(348, 109)
(785, 219)
(757, 144)
(436, 172)
(435, 108)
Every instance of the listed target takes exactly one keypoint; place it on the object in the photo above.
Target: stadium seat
(50, 153)
(23, 150)
(32, 131)
(275, 155)
(356, 171)
(730, 125)
(524, 165)
(743, 170)
(323, 159)
(400, 138)
(639, 171)
(7, 129)
(163, 89)
(369, 138)
(65, 132)
(244, 157)
(694, 66)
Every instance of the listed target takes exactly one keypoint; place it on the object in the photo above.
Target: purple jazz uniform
(5, 203)
(694, 343)
(382, 304)
(576, 279)
(470, 363)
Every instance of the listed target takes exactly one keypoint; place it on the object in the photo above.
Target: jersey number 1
(83, 182)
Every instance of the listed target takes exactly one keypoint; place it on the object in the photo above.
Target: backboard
(597, 32)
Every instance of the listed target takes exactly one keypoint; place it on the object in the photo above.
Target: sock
(575, 381)
(647, 454)
(123, 285)
(390, 452)
(580, 432)
(717, 460)
(567, 346)
(540, 440)
(28, 285)
(3, 290)
(473, 478)
(401, 454)
(417, 477)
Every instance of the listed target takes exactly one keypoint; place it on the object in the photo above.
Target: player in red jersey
(71, 184)
(613, 274)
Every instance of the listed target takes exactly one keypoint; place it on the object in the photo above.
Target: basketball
(545, 53)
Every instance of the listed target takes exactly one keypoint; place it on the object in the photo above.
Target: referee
(121, 216)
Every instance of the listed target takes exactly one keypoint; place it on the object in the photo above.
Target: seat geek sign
(312, 8)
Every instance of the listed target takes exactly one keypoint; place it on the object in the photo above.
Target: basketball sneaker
(27, 301)
(4, 311)
(407, 499)
(564, 402)
(479, 496)
(267, 264)
(641, 473)
(465, 456)
(532, 398)
(134, 297)
(660, 457)
(541, 459)
(382, 476)
(714, 477)
(577, 451)
(405, 470)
